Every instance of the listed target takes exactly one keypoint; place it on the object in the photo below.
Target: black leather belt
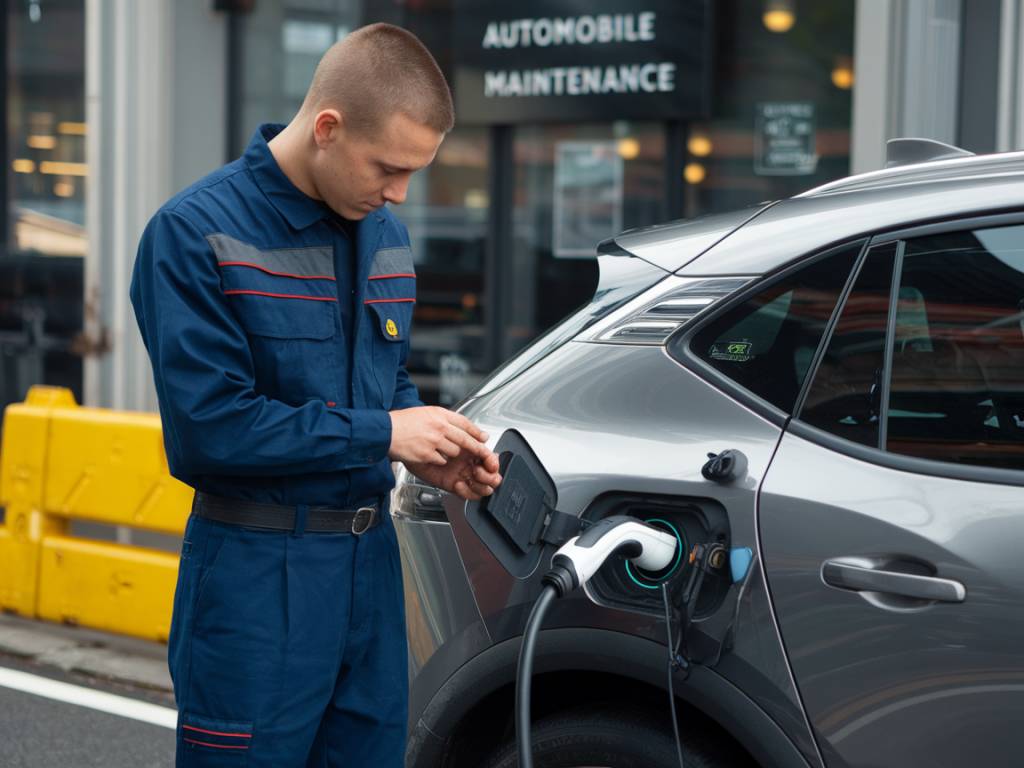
(279, 517)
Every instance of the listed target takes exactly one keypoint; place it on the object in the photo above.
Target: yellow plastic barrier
(60, 462)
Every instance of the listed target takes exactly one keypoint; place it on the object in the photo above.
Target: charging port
(652, 580)
(620, 584)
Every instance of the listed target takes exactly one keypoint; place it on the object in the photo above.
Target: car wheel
(609, 738)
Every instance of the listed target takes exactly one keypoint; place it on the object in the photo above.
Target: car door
(892, 515)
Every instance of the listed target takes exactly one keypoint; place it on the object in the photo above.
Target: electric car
(832, 383)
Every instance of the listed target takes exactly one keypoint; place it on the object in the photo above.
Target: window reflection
(282, 42)
(958, 353)
(781, 104)
(549, 279)
(41, 264)
(767, 343)
(446, 214)
(845, 397)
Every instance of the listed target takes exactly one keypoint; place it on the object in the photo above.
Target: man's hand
(444, 449)
(464, 476)
(431, 435)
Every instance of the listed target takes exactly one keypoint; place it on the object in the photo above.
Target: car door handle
(847, 576)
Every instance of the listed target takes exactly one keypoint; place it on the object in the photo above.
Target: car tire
(613, 738)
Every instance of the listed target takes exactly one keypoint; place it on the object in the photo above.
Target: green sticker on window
(732, 351)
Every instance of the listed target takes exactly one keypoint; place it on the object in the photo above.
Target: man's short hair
(379, 70)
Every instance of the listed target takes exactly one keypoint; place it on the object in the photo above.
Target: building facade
(574, 121)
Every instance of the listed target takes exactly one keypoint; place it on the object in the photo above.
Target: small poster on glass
(588, 196)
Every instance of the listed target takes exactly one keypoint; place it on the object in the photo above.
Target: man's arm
(204, 375)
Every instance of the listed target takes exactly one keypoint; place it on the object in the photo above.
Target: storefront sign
(784, 139)
(588, 196)
(601, 60)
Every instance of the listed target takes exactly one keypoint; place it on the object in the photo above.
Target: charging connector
(646, 546)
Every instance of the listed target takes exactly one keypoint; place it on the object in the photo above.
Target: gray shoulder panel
(392, 261)
(314, 261)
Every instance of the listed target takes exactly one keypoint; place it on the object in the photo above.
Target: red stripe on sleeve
(280, 295)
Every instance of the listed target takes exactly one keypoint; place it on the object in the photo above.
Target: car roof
(972, 167)
(843, 210)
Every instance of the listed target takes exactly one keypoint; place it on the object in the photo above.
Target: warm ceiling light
(778, 15)
(699, 146)
(694, 173)
(475, 198)
(63, 169)
(778, 21)
(23, 166)
(71, 129)
(64, 188)
(628, 148)
(41, 142)
(842, 73)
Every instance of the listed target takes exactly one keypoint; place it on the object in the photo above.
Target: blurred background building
(659, 110)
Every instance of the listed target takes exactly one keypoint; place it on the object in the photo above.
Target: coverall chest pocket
(295, 343)
(391, 321)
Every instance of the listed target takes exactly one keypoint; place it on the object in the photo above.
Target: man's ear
(328, 126)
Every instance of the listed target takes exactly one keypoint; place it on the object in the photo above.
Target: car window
(766, 344)
(957, 389)
(845, 397)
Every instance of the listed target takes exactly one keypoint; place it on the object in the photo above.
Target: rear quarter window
(767, 342)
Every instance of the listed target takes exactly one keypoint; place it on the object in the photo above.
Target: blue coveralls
(278, 345)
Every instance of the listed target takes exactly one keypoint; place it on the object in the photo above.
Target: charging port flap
(520, 518)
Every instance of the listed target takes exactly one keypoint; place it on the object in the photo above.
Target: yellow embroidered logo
(391, 328)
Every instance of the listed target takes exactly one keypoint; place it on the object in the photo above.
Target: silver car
(859, 349)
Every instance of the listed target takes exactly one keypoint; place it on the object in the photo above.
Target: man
(275, 298)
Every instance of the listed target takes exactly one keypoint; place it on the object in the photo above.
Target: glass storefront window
(779, 124)
(447, 205)
(575, 185)
(41, 262)
(782, 85)
(282, 42)
(446, 213)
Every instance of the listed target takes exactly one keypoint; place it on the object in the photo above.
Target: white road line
(86, 697)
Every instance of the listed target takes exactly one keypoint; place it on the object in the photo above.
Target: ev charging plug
(582, 556)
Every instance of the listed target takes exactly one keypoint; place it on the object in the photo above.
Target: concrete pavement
(117, 663)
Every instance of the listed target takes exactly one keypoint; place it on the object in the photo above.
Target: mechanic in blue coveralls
(275, 298)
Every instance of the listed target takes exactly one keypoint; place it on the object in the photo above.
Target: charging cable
(674, 660)
(572, 566)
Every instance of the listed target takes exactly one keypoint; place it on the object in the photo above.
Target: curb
(124, 660)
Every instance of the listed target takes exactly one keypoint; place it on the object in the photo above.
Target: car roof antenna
(910, 151)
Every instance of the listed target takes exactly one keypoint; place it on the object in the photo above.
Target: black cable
(525, 674)
(671, 672)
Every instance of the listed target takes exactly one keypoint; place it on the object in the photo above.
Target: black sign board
(784, 139)
(538, 60)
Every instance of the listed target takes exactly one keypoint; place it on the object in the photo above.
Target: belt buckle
(363, 513)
